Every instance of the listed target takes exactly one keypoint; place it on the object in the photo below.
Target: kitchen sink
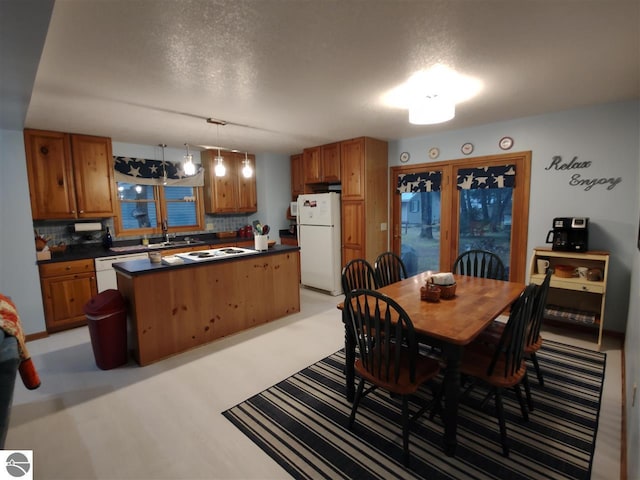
(175, 243)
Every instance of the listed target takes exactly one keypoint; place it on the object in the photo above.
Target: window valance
(143, 171)
(502, 176)
(419, 182)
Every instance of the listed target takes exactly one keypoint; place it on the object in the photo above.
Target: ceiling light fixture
(247, 171)
(431, 109)
(219, 169)
(188, 166)
(164, 165)
(431, 95)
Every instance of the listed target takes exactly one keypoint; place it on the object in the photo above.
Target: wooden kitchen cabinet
(330, 156)
(70, 176)
(232, 193)
(322, 164)
(364, 199)
(574, 298)
(312, 165)
(297, 175)
(66, 288)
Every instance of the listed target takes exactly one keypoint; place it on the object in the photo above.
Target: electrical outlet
(209, 226)
(383, 227)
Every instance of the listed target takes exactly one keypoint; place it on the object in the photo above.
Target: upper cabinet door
(353, 171)
(94, 176)
(247, 197)
(49, 169)
(297, 175)
(330, 155)
(312, 165)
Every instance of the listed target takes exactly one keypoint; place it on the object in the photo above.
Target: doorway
(442, 209)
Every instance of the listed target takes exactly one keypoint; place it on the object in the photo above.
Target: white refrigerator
(320, 243)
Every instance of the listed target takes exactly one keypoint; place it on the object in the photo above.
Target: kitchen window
(150, 191)
(142, 208)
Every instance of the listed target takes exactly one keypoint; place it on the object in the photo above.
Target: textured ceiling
(292, 74)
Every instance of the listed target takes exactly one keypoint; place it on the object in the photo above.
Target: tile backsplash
(62, 231)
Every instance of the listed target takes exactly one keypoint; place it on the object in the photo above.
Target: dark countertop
(96, 250)
(140, 267)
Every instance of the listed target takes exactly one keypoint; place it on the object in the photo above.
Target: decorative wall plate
(505, 143)
(434, 152)
(404, 157)
(467, 148)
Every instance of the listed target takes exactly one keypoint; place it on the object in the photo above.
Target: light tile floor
(163, 420)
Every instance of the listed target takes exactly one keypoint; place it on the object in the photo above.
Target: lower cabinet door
(64, 299)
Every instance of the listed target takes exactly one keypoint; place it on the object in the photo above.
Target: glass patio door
(485, 211)
(418, 232)
(442, 209)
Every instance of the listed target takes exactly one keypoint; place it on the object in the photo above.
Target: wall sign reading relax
(578, 180)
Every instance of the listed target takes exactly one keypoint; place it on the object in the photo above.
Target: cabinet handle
(67, 268)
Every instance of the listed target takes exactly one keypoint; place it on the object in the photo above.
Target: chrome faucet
(165, 229)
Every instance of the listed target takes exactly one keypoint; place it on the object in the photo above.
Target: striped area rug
(301, 423)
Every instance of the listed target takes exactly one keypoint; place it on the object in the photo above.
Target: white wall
(19, 277)
(273, 176)
(632, 356)
(606, 136)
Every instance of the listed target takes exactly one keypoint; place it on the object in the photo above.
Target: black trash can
(107, 319)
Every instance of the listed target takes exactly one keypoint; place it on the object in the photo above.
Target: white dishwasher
(106, 275)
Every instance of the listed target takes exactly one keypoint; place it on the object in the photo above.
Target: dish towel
(10, 323)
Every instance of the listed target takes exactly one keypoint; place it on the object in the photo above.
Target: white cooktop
(216, 254)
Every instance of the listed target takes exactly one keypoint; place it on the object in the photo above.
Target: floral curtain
(419, 182)
(143, 171)
(502, 176)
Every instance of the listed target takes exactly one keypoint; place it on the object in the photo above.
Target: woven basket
(447, 291)
(430, 293)
(564, 271)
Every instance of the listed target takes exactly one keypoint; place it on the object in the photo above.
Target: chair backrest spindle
(480, 263)
(389, 268)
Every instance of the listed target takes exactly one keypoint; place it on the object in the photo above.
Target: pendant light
(247, 171)
(164, 165)
(188, 166)
(219, 169)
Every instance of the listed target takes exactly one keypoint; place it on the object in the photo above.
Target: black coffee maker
(569, 234)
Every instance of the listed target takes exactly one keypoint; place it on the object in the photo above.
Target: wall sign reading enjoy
(577, 180)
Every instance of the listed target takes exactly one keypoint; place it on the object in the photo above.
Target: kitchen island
(173, 308)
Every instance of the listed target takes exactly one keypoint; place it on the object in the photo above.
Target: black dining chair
(533, 341)
(389, 268)
(357, 274)
(388, 356)
(503, 365)
(479, 263)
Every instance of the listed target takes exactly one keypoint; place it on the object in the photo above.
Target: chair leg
(356, 402)
(503, 426)
(534, 360)
(527, 391)
(405, 430)
(523, 407)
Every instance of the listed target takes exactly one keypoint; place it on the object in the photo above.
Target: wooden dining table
(449, 324)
